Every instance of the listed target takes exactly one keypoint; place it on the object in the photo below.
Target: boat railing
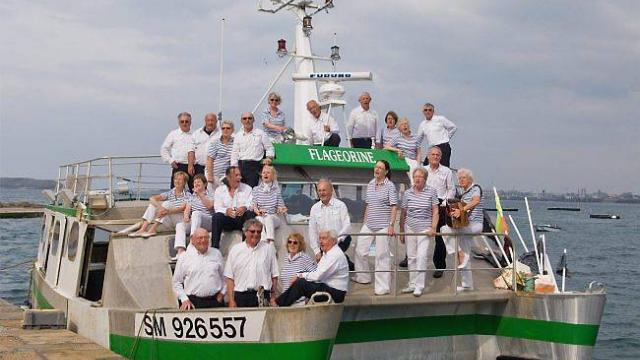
(110, 179)
(396, 270)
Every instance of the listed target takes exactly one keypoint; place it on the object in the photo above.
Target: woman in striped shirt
(471, 195)
(407, 146)
(419, 214)
(219, 154)
(273, 119)
(380, 217)
(389, 132)
(297, 261)
(165, 208)
(268, 202)
(197, 213)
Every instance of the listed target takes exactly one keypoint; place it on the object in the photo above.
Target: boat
(561, 208)
(547, 228)
(509, 209)
(604, 216)
(117, 292)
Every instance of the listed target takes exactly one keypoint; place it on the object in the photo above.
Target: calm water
(601, 250)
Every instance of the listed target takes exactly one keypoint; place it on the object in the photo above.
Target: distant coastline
(26, 183)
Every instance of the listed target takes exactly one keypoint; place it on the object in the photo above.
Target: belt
(251, 291)
(212, 297)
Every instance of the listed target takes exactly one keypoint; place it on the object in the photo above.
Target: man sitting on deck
(198, 280)
(332, 274)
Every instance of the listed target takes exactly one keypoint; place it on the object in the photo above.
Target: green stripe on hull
(475, 324)
(165, 349)
(41, 301)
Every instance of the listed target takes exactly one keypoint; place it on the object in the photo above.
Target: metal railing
(395, 271)
(114, 177)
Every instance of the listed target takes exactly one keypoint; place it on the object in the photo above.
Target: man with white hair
(331, 276)
(202, 138)
(362, 124)
(178, 149)
(438, 131)
(323, 129)
(250, 147)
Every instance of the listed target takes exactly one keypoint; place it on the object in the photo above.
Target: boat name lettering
(341, 155)
(237, 326)
(335, 75)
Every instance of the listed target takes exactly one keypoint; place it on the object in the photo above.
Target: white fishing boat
(117, 291)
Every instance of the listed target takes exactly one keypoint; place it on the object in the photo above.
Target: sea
(606, 251)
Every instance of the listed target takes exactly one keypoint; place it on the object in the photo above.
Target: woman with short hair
(390, 131)
(268, 203)
(407, 145)
(297, 261)
(273, 119)
(197, 213)
(219, 154)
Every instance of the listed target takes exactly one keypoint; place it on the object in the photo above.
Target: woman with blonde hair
(407, 146)
(268, 202)
(297, 261)
(273, 119)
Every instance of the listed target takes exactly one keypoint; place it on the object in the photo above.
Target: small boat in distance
(605, 216)
(547, 228)
(561, 208)
(503, 209)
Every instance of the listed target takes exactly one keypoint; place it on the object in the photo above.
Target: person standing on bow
(389, 132)
(329, 213)
(250, 146)
(407, 145)
(203, 138)
(470, 194)
(178, 149)
(380, 217)
(267, 203)
(362, 124)
(324, 129)
(273, 119)
(232, 203)
(219, 154)
(438, 131)
(197, 214)
(419, 214)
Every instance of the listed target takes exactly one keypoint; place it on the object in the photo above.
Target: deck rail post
(110, 176)
(139, 178)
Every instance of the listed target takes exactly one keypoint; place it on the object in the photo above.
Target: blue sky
(546, 95)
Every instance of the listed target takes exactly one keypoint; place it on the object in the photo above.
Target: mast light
(335, 53)
(282, 48)
(306, 25)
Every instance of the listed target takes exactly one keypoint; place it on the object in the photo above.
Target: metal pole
(514, 269)
(221, 69)
(533, 235)
(500, 245)
(518, 232)
(455, 268)
(564, 268)
(139, 178)
(58, 182)
(395, 265)
(86, 183)
(75, 180)
(111, 200)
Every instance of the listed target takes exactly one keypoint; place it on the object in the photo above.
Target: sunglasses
(226, 128)
(276, 100)
(247, 118)
(185, 121)
(292, 242)
(427, 110)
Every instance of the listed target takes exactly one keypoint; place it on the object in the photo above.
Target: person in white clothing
(324, 129)
(438, 131)
(250, 147)
(331, 276)
(198, 279)
(251, 270)
(178, 148)
(267, 203)
(362, 124)
(202, 138)
(197, 213)
(233, 205)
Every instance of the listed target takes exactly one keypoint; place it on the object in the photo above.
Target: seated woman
(407, 146)
(273, 119)
(197, 213)
(471, 196)
(165, 208)
(268, 203)
(297, 261)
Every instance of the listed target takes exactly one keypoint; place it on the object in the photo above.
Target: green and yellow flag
(501, 223)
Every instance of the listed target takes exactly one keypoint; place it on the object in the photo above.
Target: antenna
(221, 69)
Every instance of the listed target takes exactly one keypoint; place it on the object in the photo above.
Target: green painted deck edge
(299, 155)
(167, 349)
(474, 324)
(61, 209)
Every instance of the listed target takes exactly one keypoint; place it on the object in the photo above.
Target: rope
(16, 265)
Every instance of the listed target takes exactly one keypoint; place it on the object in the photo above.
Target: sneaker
(133, 234)
(404, 263)
(417, 292)
(438, 274)
(408, 289)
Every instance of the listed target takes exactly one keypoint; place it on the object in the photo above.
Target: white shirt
(250, 146)
(316, 134)
(199, 274)
(441, 179)
(438, 130)
(333, 270)
(222, 200)
(362, 123)
(177, 146)
(333, 216)
(250, 268)
(202, 140)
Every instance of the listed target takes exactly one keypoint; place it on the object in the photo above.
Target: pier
(19, 343)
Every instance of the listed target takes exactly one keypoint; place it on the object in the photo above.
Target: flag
(501, 223)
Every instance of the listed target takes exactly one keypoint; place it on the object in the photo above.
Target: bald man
(250, 147)
(362, 123)
(324, 129)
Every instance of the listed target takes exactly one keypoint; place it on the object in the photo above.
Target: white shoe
(382, 293)
(464, 262)
(417, 292)
(464, 288)
(408, 289)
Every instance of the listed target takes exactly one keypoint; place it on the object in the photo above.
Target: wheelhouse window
(72, 242)
(55, 238)
(300, 197)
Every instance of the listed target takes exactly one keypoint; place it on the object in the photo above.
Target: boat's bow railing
(101, 182)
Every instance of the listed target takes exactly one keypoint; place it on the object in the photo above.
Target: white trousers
(417, 250)
(198, 219)
(466, 277)
(169, 221)
(271, 222)
(383, 259)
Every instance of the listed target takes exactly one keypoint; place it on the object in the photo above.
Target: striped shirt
(380, 199)
(174, 200)
(278, 120)
(408, 145)
(300, 262)
(418, 205)
(466, 196)
(387, 135)
(196, 204)
(221, 155)
(267, 197)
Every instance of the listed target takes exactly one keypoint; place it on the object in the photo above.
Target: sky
(546, 95)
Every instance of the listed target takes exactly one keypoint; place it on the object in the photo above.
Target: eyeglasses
(254, 231)
(247, 118)
(427, 110)
(185, 121)
(276, 100)
(292, 242)
(226, 128)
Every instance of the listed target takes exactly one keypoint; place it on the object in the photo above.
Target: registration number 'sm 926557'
(238, 326)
